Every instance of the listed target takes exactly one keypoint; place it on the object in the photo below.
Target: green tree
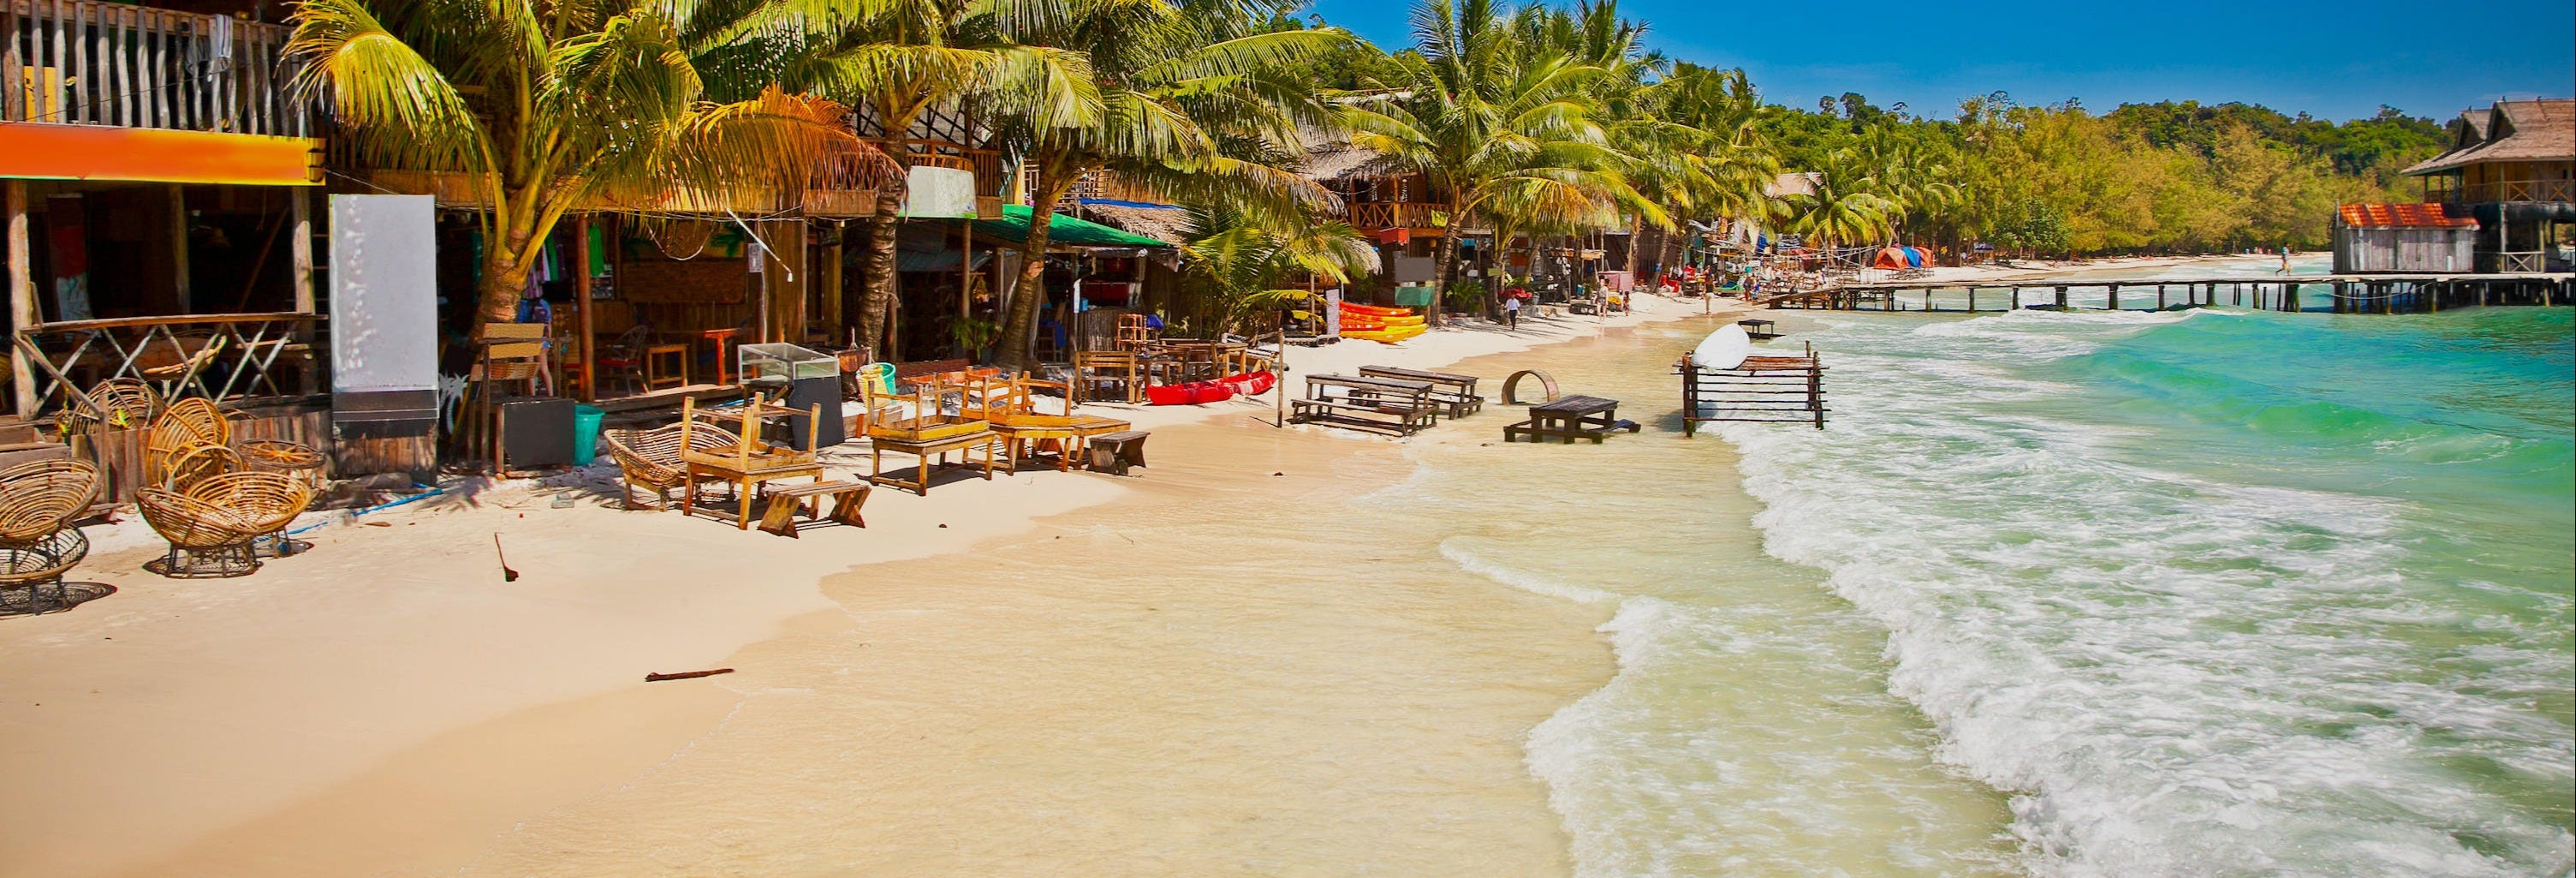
(550, 106)
(1194, 102)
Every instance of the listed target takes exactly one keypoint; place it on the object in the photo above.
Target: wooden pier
(2343, 293)
(1788, 390)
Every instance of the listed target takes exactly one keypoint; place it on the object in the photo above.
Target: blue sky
(2335, 60)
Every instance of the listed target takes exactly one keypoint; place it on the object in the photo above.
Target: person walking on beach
(1512, 312)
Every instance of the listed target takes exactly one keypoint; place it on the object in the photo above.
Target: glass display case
(774, 367)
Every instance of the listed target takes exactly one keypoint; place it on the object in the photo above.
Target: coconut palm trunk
(877, 274)
(1028, 297)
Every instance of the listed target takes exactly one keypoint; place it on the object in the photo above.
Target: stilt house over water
(2512, 168)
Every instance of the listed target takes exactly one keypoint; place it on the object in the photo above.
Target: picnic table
(1379, 404)
(1571, 418)
(1456, 394)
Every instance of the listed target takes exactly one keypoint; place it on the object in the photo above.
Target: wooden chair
(747, 462)
(651, 458)
(212, 526)
(1109, 375)
(510, 356)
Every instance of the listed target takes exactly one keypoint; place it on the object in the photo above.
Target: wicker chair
(38, 543)
(187, 424)
(213, 525)
(652, 458)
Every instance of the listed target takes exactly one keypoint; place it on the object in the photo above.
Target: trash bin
(585, 433)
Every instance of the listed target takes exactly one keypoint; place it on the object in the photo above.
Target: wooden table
(719, 339)
(968, 444)
(1455, 393)
(1381, 404)
(1571, 418)
(1052, 440)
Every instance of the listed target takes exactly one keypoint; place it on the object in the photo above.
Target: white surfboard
(1724, 349)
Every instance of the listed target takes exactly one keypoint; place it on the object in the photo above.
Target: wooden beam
(582, 307)
(22, 298)
(179, 246)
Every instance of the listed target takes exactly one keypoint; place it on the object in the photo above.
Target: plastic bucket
(585, 433)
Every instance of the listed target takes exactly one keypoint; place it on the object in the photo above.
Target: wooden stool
(655, 379)
(787, 503)
(1115, 452)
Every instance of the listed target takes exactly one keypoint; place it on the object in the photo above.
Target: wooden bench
(1385, 405)
(967, 444)
(1455, 393)
(787, 503)
(1114, 452)
(1571, 418)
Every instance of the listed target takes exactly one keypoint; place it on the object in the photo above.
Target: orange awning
(154, 155)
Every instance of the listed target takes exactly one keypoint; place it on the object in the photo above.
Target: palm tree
(1504, 130)
(1843, 209)
(1187, 90)
(555, 105)
(1719, 113)
(901, 59)
(1248, 266)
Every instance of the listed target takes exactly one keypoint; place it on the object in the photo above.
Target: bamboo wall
(307, 422)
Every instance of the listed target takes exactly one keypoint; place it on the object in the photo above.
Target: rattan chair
(198, 463)
(651, 458)
(38, 542)
(181, 428)
(213, 525)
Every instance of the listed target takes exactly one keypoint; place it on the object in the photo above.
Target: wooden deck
(2385, 293)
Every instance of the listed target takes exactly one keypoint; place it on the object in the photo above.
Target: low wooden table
(1115, 452)
(967, 444)
(1455, 393)
(1571, 418)
(787, 503)
(1052, 440)
(1381, 404)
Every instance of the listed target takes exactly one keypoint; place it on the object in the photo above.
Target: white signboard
(939, 192)
(384, 305)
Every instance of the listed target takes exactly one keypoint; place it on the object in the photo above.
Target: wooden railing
(2507, 190)
(89, 63)
(1369, 216)
(222, 357)
(987, 164)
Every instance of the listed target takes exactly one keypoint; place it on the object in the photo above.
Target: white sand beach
(387, 705)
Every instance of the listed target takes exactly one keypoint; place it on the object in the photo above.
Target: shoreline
(308, 698)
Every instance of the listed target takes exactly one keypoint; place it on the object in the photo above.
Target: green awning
(1073, 231)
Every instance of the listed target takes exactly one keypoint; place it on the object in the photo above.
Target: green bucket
(585, 433)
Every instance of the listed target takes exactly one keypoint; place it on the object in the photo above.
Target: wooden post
(1972, 299)
(22, 299)
(2115, 297)
(2160, 297)
(179, 247)
(300, 250)
(2213, 293)
(2061, 298)
(835, 299)
(966, 272)
(2290, 297)
(582, 306)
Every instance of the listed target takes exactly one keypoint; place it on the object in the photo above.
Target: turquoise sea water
(2219, 592)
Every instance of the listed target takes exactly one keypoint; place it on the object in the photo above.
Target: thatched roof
(1161, 222)
(2509, 131)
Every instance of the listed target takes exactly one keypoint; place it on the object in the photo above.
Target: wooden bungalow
(2512, 168)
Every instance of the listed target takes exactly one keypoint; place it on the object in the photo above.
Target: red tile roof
(2406, 216)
